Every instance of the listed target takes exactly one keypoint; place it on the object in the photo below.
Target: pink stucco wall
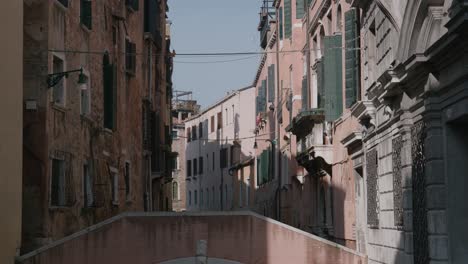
(152, 238)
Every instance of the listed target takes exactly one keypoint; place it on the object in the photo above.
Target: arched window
(175, 191)
(339, 19)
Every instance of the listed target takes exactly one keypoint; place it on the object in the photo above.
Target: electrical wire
(221, 61)
(229, 139)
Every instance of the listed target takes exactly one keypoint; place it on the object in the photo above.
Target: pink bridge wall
(151, 238)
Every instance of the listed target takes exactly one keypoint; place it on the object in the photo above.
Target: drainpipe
(278, 131)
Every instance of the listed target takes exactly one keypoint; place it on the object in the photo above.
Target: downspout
(278, 105)
(149, 187)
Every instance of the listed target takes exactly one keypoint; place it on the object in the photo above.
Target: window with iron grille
(130, 57)
(86, 13)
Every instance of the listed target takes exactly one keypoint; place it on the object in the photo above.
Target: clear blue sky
(206, 26)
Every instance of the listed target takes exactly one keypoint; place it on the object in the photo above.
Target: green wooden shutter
(281, 23)
(333, 73)
(300, 9)
(305, 94)
(271, 83)
(352, 57)
(320, 86)
(86, 13)
(263, 98)
(287, 19)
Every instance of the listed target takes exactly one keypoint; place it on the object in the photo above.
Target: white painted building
(217, 138)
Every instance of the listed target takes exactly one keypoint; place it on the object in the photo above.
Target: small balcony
(305, 120)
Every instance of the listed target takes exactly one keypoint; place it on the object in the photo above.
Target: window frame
(88, 92)
(63, 161)
(63, 82)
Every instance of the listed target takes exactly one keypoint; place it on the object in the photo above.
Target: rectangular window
(190, 197)
(195, 196)
(130, 57)
(87, 187)
(300, 7)
(86, 13)
(127, 181)
(189, 135)
(280, 12)
(110, 96)
(212, 124)
(271, 83)
(195, 165)
(223, 158)
(200, 130)
(86, 98)
(175, 134)
(207, 163)
(58, 184)
(287, 19)
(189, 168)
(200, 161)
(220, 120)
(194, 133)
(115, 189)
(59, 89)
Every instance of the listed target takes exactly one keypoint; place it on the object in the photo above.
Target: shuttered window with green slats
(271, 83)
(305, 94)
(86, 13)
(332, 63)
(281, 22)
(320, 86)
(110, 96)
(300, 7)
(352, 57)
(287, 19)
(263, 96)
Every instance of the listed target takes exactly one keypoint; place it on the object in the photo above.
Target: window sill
(59, 208)
(60, 5)
(86, 118)
(85, 28)
(115, 203)
(58, 107)
(108, 131)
